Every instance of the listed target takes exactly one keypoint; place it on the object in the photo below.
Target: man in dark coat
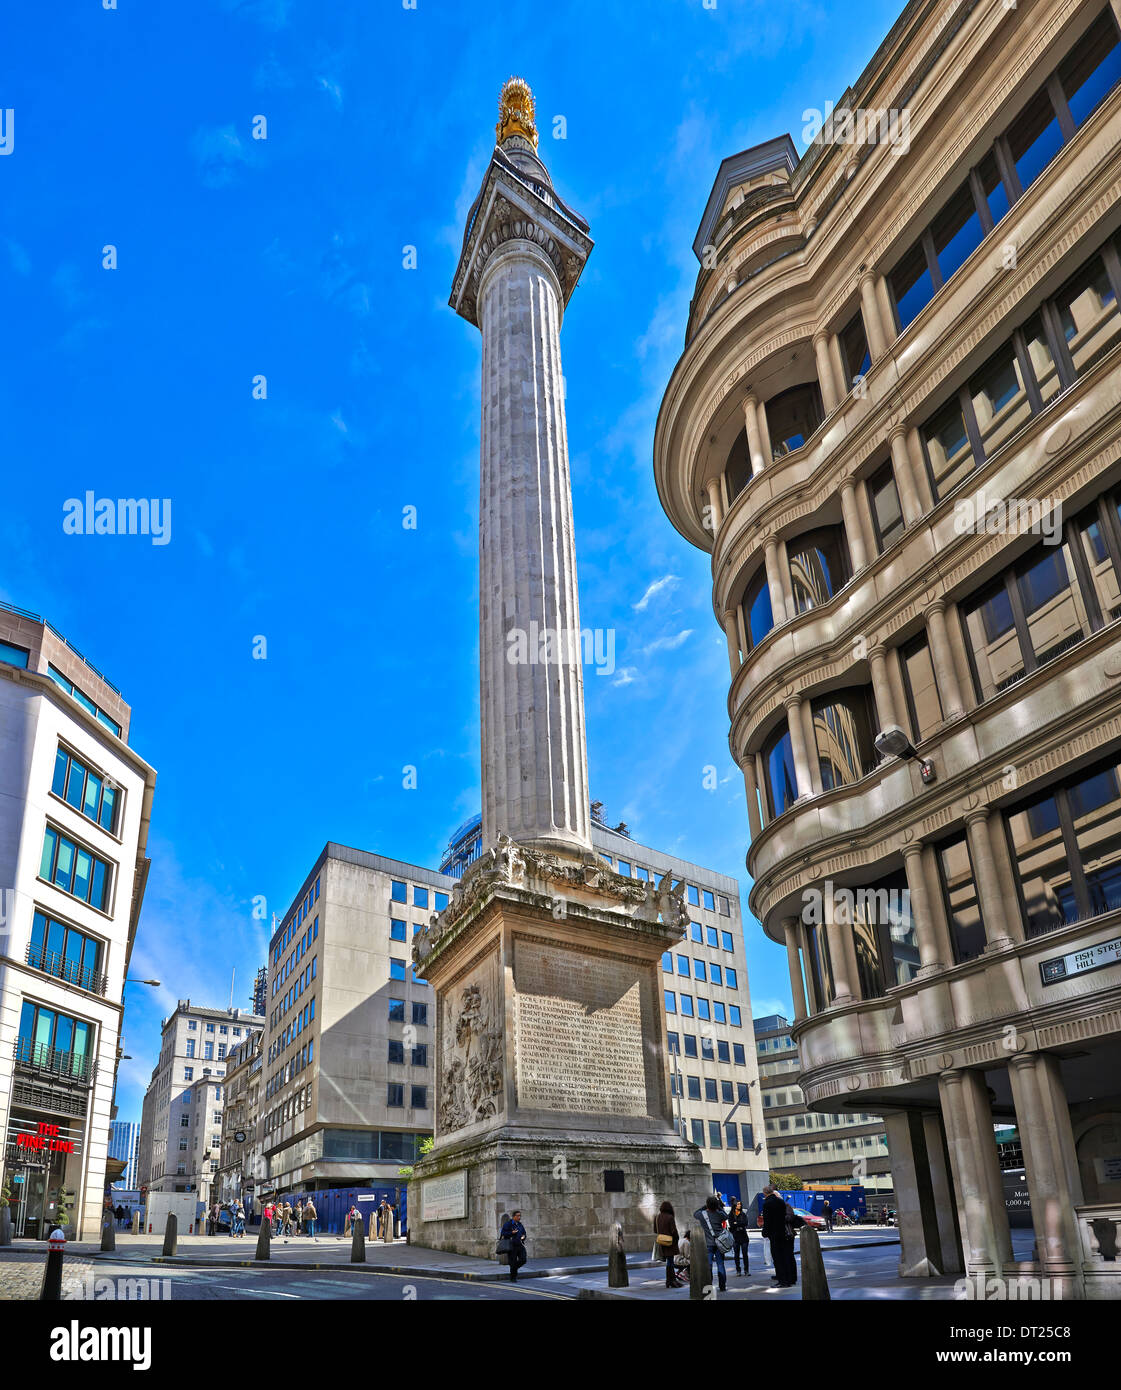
(782, 1240)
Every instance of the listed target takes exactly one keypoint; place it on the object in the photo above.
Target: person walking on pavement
(780, 1239)
(514, 1233)
(665, 1234)
(311, 1216)
(712, 1223)
(738, 1225)
(827, 1215)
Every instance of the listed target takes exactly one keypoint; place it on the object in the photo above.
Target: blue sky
(284, 257)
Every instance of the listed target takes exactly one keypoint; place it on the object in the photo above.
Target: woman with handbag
(665, 1237)
(718, 1238)
(737, 1224)
(511, 1243)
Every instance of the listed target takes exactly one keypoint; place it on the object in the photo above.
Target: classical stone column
(811, 747)
(920, 1237)
(764, 433)
(978, 1187)
(779, 606)
(887, 315)
(741, 628)
(877, 341)
(534, 766)
(731, 629)
(712, 489)
(942, 658)
(929, 962)
(751, 409)
(978, 832)
(825, 379)
(794, 723)
(842, 955)
(839, 374)
(793, 960)
(918, 468)
(1051, 1165)
(854, 532)
(881, 686)
(752, 788)
(904, 477)
(787, 580)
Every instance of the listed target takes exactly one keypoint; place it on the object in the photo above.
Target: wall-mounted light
(893, 742)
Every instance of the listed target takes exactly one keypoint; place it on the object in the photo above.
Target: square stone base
(557, 1181)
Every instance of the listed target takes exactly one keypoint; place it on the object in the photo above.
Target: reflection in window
(921, 685)
(1035, 138)
(1093, 69)
(887, 952)
(844, 726)
(1088, 316)
(1040, 859)
(818, 567)
(948, 450)
(912, 285)
(758, 615)
(854, 349)
(957, 232)
(737, 470)
(967, 929)
(778, 763)
(887, 514)
(1000, 398)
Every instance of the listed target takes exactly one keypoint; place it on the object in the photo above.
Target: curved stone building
(896, 425)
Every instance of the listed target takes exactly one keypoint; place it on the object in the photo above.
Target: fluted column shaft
(754, 438)
(921, 914)
(854, 531)
(909, 499)
(793, 960)
(943, 660)
(978, 833)
(534, 764)
(798, 745)
(982, 1216)
(829, 393)
(870, 308)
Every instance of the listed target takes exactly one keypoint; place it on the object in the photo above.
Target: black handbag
(503, 1246)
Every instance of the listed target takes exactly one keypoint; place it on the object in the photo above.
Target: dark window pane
(993, 642)
(843, 730)
(1042, 361)
(948, 448)
(854, 349)
(884, 496)
(757, 607)
(1087, 309)
(1040, 861)
(61, 763)
(1035, 139)
(911, 284)
(957, 232)
(778, 760)
(1095, 805)
(792, 416)
(1100, 565)
(737, 471)
(1093, 69)
(966, 927)
(1052, 602)
(818, 567)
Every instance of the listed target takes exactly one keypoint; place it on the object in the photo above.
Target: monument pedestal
(552, 1084)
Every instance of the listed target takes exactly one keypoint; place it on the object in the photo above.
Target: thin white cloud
(626, 676)
(668, 582)
(668, 644)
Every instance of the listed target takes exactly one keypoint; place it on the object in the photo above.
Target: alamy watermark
(550, 646)
(844, 906)
(842, 125)
(122, 516)
(1002, 516)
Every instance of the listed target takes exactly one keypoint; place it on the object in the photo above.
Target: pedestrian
(665, 1234)
(299, 1216)
(267, 1215)
(513, 1233)
(681, 1260)
(352, 1216)
(738, 1225)
(239, 1220)
(311, 1216)
(780, 1239)
(713, 1224)
(827, 1214)
(286, 1221)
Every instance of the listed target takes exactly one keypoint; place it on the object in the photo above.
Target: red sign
(46, 1139)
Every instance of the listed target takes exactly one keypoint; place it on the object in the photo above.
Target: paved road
(101, 1280)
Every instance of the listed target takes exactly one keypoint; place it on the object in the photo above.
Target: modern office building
(74, 818)
(182, 1118)
(895, 426)
(822, 1149)
(124, 1145)
(347, 1089)
(464, 847)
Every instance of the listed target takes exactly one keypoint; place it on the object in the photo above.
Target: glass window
(922, 687)
(1034, 138)
(818, 567)
(1099, 564)
(420, 1015)
(957, 232)
(734, 1015)
(730, 977)
(395, 1095)
(711, 937)
(624, 868)
(418, 1097)
(993, 643)
(13, 656)
(683, 966)
(992, 186)
(398, 892)
(844, 727)
(967, 928)
(723, 1051)
(396, 1011)
(396, 1051)
(1000, 399)
(886, 510)
(1095, 809)
(1088, 315)
(737, 470)
(911, 285)
(716, 975)
(726, 940)
(948, 450)
(702, 1008)
(690, 1045)
(694, 1087)
(695, 932)
(1053, 607)
(792, 416)
(778, 763)
(1092, 69)
(441, 899)
(667, 962)
(671, 1001)
(1042, 361)
(687, 1005)
(693, 896)
(396, 969)
(854, 349)
(710, 1089)
(699, 969)
(708, 902)
(697, 1129)
(397, 930)
(715, 1134)
(420, 896)
(739, 1056)
(718, 1015)
(1039, 855)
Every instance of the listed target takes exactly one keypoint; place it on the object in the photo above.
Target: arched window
(819, 566)
(844, 724)
(737, 471)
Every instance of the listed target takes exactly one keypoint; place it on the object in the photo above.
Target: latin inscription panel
(578, 1032)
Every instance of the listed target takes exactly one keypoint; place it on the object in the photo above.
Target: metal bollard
(108, 1231)
(358, 1245)
(264, 1241)
(51, 1291)
(171, 1234)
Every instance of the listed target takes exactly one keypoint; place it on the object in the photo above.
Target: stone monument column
(532, 689)
(552, 1083)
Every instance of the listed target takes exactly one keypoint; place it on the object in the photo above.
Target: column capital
(820, 336)
(977, 814)
(750, 399)
(936, 605)
(898, 430)
(912, 849)
(877, 651)
(790, 703)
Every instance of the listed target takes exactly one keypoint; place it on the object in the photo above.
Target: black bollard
(171, 1234)
(700, 1267)
(264, 1241)
(358, 1244)
(814, 1283)
(51, 1291)
(108, 1231)
(617, 1276)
